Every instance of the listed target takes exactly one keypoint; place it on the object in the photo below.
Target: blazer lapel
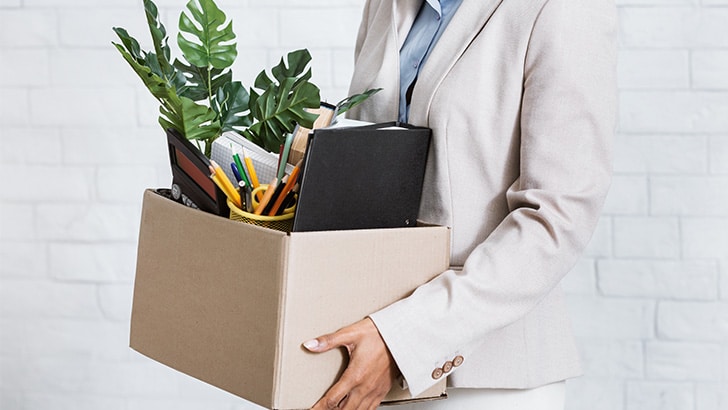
(379, 65)
(404, 13)
(468, 21)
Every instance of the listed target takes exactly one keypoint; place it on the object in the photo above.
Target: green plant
(197, 95)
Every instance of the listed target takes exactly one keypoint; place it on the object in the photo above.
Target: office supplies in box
(230, 303)
(230, 143)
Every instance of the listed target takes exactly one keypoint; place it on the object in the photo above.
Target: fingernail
(311, 344)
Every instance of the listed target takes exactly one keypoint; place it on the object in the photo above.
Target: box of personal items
(283, 221)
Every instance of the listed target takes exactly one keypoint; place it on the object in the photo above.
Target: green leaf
(297, 62)
(232, 106)
(158, 32)
(279, 108)
(133, 51)
(283, 101)
(262, 81)
(212, 45)
(131, 45)
(159, 61)
(354, 100)
(292, 67)
(157, 85)
(197, 77)
(172, 76)
(194, 121)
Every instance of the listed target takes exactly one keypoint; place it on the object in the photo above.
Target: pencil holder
(283, 222)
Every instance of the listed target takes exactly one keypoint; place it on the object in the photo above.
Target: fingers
(323, 343)
(333, 399)
(369, 374)
(355, 390)
(344, 394)
(371, 401)
(341, 393)
(340, 338)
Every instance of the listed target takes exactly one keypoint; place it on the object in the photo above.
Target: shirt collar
(435, 4)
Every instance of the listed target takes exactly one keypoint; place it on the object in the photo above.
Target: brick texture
(648, 300)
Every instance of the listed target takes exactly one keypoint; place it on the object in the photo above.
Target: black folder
(362, 177)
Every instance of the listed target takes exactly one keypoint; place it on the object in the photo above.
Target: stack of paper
(230, 143)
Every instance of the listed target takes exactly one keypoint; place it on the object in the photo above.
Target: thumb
(323, 343)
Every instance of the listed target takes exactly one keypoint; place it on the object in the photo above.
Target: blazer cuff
(419, 374)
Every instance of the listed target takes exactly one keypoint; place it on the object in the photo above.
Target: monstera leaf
(211, 44)
(231, 105)
(202, 83)
(283, 101)
(158, 86)
(159, 61)
(158, 32)
(128, 44)
(193, 120)
(278, 110)
(297, 62)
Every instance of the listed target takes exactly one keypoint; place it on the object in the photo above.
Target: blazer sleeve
(567, 124)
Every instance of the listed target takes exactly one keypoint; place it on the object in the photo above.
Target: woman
(520, 96)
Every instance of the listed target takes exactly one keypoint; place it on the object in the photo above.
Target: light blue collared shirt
(433, 17)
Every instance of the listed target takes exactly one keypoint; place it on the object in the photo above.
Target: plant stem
(208, 147)
(209, 85)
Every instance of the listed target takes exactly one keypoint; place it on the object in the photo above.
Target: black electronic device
(191, 183)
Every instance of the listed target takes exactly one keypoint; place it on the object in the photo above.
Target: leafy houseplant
(198, 97)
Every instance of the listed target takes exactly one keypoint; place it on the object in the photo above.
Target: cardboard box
(230, 303)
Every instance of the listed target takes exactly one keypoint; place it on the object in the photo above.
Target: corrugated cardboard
(230, 303)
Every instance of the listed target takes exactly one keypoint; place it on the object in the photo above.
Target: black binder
(362, 177)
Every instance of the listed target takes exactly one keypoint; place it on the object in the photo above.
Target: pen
(241, 192)
(267, 196)
(248, 199)
(245, 196)
(235, 172)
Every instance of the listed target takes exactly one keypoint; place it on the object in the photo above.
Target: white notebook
(230, 143)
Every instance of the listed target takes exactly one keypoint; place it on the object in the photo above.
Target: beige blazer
(521, 97)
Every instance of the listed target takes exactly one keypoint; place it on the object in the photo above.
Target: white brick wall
(79, 142)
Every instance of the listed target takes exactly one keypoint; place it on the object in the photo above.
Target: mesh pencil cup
(283, 222)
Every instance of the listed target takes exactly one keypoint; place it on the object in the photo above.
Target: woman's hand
(370, 373)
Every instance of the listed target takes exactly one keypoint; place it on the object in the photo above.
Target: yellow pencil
(219, 177)
(222, 186)
(225, 180)
(251, 171)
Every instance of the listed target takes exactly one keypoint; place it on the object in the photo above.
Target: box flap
(338, 277)
(196, 309)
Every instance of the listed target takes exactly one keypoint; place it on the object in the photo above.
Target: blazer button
(447, 366)
(437, 373)
(457, 361)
